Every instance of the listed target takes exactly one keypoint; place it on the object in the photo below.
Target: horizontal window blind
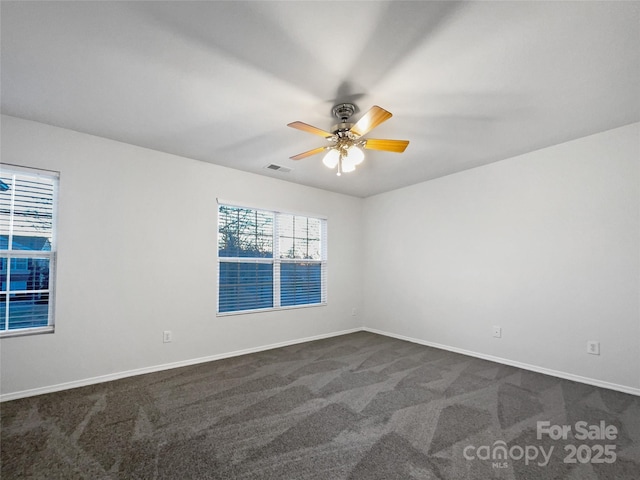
(27, 249)
(301, 243)
(301, 283)
(269, 259)
(245, 286)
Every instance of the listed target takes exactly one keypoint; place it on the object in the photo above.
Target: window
(27, 249)
(269, 260)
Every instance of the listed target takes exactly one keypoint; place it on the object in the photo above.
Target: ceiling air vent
(279, 168)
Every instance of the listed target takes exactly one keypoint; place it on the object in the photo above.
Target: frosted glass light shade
(331, 158)
(355, 155)
(347, 167)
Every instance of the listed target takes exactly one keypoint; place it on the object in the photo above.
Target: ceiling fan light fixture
(332, 158)
(346, 138)
(354, 155)
(347, 167)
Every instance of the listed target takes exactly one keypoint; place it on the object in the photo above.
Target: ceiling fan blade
(370, 120)
(300, 156)
(397, 146)
(309, 128)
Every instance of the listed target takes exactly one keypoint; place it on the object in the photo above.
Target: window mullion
(12, 206)
(276, 260)
(9, 247)
(28, 253)
(7, 290)
(245, 259)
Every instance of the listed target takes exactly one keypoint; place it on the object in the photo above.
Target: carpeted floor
(359, 406)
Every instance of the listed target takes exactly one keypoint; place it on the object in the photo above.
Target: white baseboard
(183, 363)
(505, 361)
(167, 366)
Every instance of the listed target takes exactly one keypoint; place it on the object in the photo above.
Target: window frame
(276, 261)
(27, 255)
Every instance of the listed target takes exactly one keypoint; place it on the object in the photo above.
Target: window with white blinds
(27, 249)
(269, 260)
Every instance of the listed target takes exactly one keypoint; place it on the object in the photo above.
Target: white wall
(137, 255)
(545, 245)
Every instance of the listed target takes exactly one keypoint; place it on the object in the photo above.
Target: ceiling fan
(346, 139)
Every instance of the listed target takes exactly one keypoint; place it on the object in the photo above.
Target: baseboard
(167, 366)
(184, 363)
(512, 363)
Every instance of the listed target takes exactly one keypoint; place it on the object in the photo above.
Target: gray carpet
(359, 406)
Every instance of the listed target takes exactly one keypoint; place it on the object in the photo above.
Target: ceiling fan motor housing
(343, 111)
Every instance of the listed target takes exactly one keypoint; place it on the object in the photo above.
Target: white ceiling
(468, 83)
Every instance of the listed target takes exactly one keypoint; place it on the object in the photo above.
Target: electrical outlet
(497, 331)
(593, 347)
(354, 311)
(167, 336)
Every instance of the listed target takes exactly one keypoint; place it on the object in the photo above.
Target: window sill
(26, 331)
(271, 309)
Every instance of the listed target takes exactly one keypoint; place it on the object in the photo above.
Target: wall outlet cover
(593, 347)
